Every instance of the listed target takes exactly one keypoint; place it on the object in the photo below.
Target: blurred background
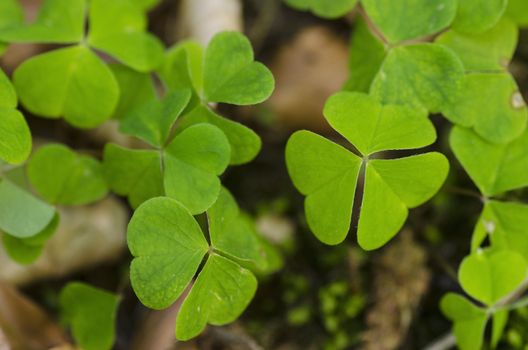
(323, 297)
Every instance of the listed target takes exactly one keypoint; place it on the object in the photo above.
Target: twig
(445, 342)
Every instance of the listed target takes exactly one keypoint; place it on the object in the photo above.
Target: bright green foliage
(27, 250)
(58, 21)
(145, 4)
(15, 137)
(518, 11)
(91, 314)
(118, 28)
(245, 143)
(469, 321)
(423, 76)
(366, 56)
(506, 225)
(10, 14)
(327, 173)
(324, 8)
(225, 73)
(73, 82)
(64, 177)
(193, 161)
(230, 73)
(477, 16)
(135, 89)
(489, 276)
(152, 121)
(488, 51)
(493, 168)
(186, 169)
(220, 294)
(168, 247)
(392, 186)
(136, 174)
(492, 104)
(410, 19)
(15, 204)
(500, 319)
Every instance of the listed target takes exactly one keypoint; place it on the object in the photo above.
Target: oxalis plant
(410, 59)
(186, 225)
(187, 236)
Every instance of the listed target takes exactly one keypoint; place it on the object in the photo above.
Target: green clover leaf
(477, 16)
(187, 169)
(91, 313)
(26, 250)
(225, 73)
(15, 204)
(492, 104)
(230, 73)
(469, 321)
(422, 76)
(488, 275)
(433, 16)
(15, 137)
(323, 8)
(163, 234)
(491, 50)
(494, 168)
(73, 83)
(135, 89)
(10, 14)
(146, 4)
(152, 121)
(64, 177)
(327, 173)
(58, 22)
(367, 54)
(118, 28)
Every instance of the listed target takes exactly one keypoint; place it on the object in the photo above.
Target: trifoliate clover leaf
(492, 104)
(64, 177)
(187, 169)
(168, 247)
(324, 8)
(136, 174)
(15, 204)
(118, 27)
(26, 250)
(433, 16)
(91, 314)
(135, 89)
(230, 73)
(488, 51)
(245, 143)
(477, 16)
(73, 82)
(367, 54)
(152, 121)
(8, 96)
(494, 168)
(505, 223)
(327, 173)
(469, 321)
(58, 21)
(422, 76)
(192, 163)
(489, 275)
(517, 10)
(241, 81)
